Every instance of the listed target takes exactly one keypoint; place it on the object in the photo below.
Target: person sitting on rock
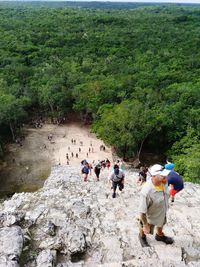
(153, 206)
(117, 179)
(175, 181)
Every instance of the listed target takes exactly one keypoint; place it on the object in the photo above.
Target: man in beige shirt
(153, 205)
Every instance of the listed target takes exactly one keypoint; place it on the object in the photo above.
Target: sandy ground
(27, 166)
(62, 144)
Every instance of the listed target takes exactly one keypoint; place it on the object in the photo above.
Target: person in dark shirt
(86, 169)
(175, 183)
(142, 175)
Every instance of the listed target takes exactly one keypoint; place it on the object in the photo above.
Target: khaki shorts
(152, 227)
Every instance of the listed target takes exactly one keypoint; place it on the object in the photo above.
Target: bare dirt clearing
(27, 166)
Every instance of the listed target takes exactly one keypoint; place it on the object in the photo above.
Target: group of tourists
(159, 184)
(116, 176)
(174, 180)
(97, 166)
(74, 152)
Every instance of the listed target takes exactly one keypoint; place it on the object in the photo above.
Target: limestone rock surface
(71, 223)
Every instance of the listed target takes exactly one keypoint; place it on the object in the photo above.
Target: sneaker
(143, 241)
(167, 240)
(114, 195)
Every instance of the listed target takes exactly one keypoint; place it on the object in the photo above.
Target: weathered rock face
(72, 223)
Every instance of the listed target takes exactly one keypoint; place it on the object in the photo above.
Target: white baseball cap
(158, 169)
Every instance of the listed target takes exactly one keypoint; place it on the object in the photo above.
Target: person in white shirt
(117, 179)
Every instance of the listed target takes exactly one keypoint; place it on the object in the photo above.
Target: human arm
(146, 226)
(143, 211)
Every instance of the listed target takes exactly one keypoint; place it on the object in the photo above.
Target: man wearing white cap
(153, 205)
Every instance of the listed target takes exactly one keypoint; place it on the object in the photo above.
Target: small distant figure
(76, 155)
(142, 175)
(89, 149)
(81, 143)
(69, 148)
(79, 150)
(90, 143)
(108, 163)
(72, 141)
(102, 148)
(50, 137)
(103, 164)
(67, 162)
(72, 154)
(87, 155)
(67, 156)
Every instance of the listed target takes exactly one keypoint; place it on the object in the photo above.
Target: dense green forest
(134, 74)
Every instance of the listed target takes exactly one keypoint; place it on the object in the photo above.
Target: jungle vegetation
(133, 73)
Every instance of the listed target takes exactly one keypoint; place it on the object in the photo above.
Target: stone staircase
(71, 223)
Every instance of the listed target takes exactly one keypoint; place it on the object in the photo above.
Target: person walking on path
(85, 171)
(108, 163)
(117, 179)
(175, 181)
(153, 206)
(142, 175)
(97, 169)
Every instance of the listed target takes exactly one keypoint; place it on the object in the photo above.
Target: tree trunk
(1, 150)
(51, 107)
(140, 149)
(12, 132)
(124, 151)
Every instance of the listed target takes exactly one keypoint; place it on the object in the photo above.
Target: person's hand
(146, 228)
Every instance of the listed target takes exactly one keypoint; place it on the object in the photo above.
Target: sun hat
(169, 166)
(158, 169)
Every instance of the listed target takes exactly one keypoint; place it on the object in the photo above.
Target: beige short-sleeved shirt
(154, 203)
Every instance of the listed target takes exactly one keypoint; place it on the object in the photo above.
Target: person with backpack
(117, 179)
(86, 169)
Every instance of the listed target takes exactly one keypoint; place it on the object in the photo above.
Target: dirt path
(27, 166)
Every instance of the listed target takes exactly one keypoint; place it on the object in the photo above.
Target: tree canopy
(133, 72)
